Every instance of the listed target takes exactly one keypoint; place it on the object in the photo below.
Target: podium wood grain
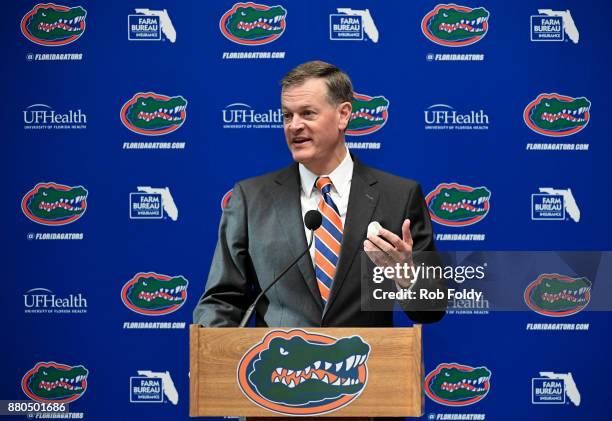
(393, 389)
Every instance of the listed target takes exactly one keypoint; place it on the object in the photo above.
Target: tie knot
(324, 184)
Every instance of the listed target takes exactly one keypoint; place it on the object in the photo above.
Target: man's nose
(296, 124)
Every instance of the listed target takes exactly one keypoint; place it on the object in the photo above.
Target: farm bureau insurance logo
(42, 116)
(453, 384)
(149, 25)
(552, 388)
(151, 387)
(153, 294)
(350, 25)
(331, 372)
(552, 204)
(152, 114)
(45, 301)
(53, 25)
(456, 205)
(54, 204)
(253, 24)
(151, 203)
(50, 382)
(369, 114)
(553, 25)
(557, 115)
(555, 295)
(451, 25)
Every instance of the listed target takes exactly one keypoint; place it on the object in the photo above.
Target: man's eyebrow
(299, 107)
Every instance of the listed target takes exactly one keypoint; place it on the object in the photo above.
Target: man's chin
(303, 157)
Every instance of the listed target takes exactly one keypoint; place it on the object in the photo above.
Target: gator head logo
(53, 382)
(455, 205)
(369, 114)
(253, 24)
(153, 114)
(557, 115)
(557, 295)
(153, 294)
(54, 204)
(457, 385)
(301, 373)
(455, 26)
(52, 25)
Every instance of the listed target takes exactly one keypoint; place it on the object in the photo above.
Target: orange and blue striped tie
(328, 239)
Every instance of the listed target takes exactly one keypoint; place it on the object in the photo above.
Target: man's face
(314, 128)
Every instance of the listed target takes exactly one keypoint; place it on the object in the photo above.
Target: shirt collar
(340, 177)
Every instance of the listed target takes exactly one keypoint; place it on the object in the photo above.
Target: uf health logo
(552, 388)
(555, 295)
(552, 25)
(152, 114)
(453, 384)
(350, 24)
(54, 204)
(332, 372)
(552, 204)
(151, 387)
(369, 114)
(148, 25)
(51, 382)
(53, 25)
(456, 205)
(557, 115)
(253, 24)
(451, 25)
(153, 294)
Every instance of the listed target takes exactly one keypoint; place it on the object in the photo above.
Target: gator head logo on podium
(253, 24)
(453, 384)
(54, 204)
(455, 26)
(53, 25)
(302, 373)
(456, 205)
(557, 295)
(557, 115)
(369, 114)
(52, 382)
(153, 294)
(154, 114)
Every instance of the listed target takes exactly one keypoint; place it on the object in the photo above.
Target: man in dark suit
(262, 230)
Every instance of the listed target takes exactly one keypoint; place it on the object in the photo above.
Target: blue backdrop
(64, 98)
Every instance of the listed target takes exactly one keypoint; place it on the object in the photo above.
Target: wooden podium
(218, 357)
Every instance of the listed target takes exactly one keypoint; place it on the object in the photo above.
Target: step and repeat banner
(126, 125)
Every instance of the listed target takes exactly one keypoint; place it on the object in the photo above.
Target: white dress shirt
(341, 186)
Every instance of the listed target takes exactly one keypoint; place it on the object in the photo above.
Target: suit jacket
(262, 231)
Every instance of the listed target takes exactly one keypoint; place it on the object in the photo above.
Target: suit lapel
(362, 202)
(286, 199)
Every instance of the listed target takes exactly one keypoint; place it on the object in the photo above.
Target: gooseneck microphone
(313, 220)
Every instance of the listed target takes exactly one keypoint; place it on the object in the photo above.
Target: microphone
(313, 220)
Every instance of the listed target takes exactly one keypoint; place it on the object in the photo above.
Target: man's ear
(345, 110)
